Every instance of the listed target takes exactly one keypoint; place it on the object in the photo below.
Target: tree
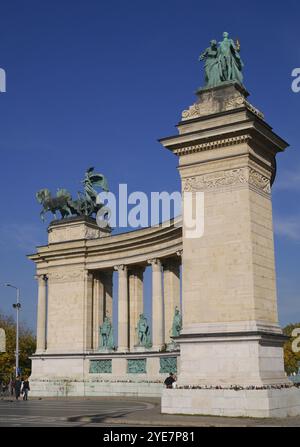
(291, 358)
(26, 348)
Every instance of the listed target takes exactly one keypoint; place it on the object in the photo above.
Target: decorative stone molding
(254, 110)
(215, 144)
(210, 106)
(259, 181)
(179, 253)
(237, 101)
(234, 102)
(231, 177)
(192, 112)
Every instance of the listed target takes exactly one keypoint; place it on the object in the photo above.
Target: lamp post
(16, 306)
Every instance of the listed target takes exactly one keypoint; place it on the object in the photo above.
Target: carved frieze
(227, 178)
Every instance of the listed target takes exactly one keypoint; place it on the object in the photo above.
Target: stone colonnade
(165, 298)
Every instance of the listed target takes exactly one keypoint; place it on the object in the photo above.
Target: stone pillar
(171, 293)
(136, 304)
(230, 334)
(123, 311)
(157, 305)
(41, 314)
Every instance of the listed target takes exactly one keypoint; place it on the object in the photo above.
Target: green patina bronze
(136, 366)
(85, 204)
(143, 332)
(177, 323)
(222, 63)
(168, 365)
(100, 366)
(106, 339)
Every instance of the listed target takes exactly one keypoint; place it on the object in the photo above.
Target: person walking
(25, 388)
(18, 384)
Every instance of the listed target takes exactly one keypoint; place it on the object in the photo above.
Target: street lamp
(16, 306)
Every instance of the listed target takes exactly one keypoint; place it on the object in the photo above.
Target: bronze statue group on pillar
(222, 63)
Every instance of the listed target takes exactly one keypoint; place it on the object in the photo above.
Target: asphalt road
(65, 412)
(115, 412)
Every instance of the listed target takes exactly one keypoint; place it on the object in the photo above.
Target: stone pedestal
(75, 228)
(230, 332)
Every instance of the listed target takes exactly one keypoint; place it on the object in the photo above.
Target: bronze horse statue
(86, 203)
(62, 203)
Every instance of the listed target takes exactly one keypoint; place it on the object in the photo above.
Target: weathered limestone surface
(78, 265)
(242, 403)
(60, 375)
(230, 330)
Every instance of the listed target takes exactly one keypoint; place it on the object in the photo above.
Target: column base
(242, 403)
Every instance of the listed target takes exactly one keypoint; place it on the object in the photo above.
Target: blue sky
(98, 82)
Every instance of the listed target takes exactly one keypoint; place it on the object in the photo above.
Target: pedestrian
(18, 384)
(12, 386)
(170, 380)
(25, 388)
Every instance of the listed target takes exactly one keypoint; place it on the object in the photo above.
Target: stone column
(123, 311)
(171, 293)
(136, 304)
(107, 279)
(41, 313)
(97, 309)
(88, 311)
(102, 302)
(157, 305)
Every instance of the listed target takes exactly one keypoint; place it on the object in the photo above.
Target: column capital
(179, 252)
(154, 261)
(41, 277)
(120, 267)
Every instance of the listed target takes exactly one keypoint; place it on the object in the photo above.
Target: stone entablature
(131, 248)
